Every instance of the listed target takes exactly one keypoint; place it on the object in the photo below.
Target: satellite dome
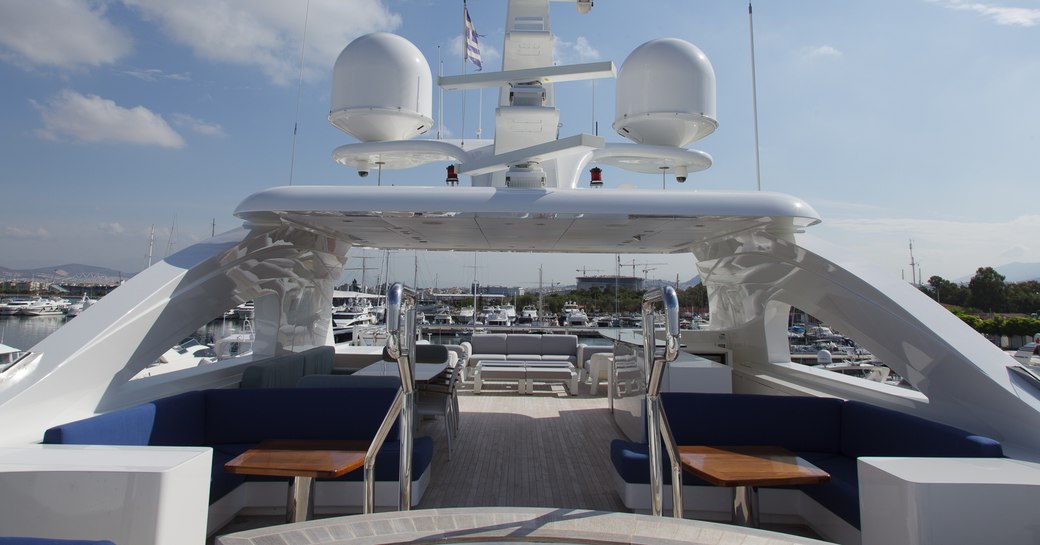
(382, 89)
(665, 94)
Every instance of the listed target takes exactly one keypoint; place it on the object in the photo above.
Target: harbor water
(23, 332)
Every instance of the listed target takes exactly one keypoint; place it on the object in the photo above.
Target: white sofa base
(338, 497)
(777, 505)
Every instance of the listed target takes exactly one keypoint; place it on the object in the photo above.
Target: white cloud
(155, 74)
(1026, 17)
(488, 53)
(197, 125)
(822, 51)
(91, 118)
(111, 228)
(25, 234)
(61, 33)
(577, 51)
(267, 34)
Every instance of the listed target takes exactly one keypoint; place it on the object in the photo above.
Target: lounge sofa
(527, 347)
(234, 420)
(829, 433)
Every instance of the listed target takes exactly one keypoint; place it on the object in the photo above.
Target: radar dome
(382, 89)
(665, 94)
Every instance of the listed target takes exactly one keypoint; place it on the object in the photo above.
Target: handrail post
(400, 344)
(369, 502)
(657, 423)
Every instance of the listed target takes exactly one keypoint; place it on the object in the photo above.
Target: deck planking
(547, 449)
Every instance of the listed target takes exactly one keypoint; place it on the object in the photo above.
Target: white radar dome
(382, 89)
(665, 94)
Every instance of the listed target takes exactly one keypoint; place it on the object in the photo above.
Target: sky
(134, 124)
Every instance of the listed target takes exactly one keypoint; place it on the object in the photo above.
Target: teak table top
(750, 466)
(296, 458)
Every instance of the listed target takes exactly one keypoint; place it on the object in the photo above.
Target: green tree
(1024, 297)
(988, 291)
(947, 292)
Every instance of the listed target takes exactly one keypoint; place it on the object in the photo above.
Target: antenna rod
(754, 98)
(440, 94)
(299, 86)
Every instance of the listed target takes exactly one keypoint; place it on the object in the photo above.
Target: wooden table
(303, 460)
(745, 468)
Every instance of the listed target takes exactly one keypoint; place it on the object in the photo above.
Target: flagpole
(465, 57)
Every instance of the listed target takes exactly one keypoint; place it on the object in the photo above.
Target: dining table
(424, 372)
(747, 467)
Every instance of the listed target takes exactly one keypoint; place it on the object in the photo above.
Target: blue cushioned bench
(829, 433)
(233, 420)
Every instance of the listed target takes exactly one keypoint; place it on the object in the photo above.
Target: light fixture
(596, 181)
(453, 178)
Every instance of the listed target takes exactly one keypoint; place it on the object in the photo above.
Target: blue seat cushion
(869, 430)
(221, 482)
(632, 463)
(841, 493)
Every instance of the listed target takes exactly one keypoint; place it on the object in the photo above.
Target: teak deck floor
(542, 450)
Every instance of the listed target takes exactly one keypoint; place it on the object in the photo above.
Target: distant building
(608, 282)
(500, 290)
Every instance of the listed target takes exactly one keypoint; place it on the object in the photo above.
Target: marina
(235, 392)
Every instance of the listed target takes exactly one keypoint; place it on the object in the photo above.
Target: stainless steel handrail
(400, 344)
(657, 423)
(369, 502)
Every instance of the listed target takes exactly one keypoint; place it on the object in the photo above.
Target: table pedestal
(300, 502)
(745, 506)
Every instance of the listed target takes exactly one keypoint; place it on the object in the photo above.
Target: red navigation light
(597, 179)
(452, 179)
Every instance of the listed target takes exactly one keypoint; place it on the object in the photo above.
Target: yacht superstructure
(751, 249)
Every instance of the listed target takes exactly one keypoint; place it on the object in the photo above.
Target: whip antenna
(299, 86)
(754, 98)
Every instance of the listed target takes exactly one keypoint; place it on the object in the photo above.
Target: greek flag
(472, 47)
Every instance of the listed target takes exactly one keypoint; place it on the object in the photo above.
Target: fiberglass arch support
(752, 277)
(85, 367)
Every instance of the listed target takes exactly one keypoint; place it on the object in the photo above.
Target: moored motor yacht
(528, 314)
(750, 249)
(41, 306)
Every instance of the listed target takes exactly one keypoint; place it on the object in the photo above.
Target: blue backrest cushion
(253, 415)
(175, 421)
(129, 426)
(180, 420)
(870, 430)
(795, 422)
